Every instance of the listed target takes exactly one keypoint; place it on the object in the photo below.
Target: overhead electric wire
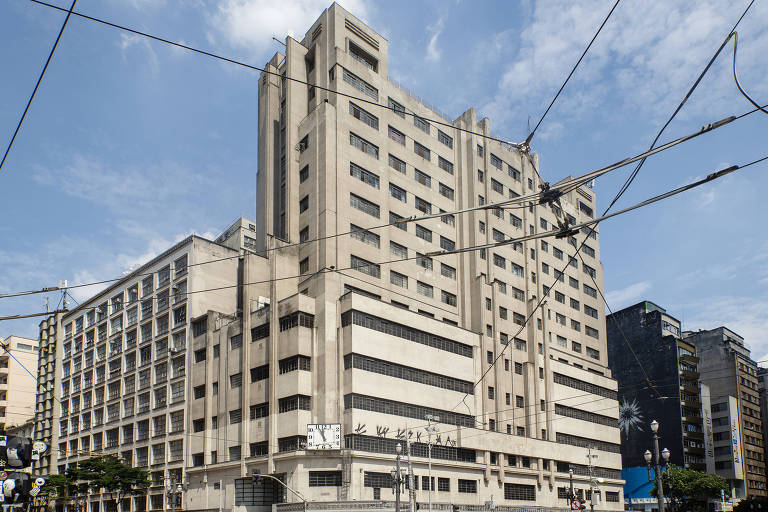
(562, 187)
(508, 241)
(573, 69)
(736, 79)
(593, 223)
(39, 80)
(640, 164)
(256, 68)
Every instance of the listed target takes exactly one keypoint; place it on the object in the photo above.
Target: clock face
(324, 436)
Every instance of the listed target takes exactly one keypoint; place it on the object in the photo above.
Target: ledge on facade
(346, 506)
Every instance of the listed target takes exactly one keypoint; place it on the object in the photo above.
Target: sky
(131, 145)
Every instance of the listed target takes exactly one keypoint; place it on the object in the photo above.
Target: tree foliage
(95, 474)
(688, 490)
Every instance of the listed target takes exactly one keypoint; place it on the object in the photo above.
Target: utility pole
(591, 480)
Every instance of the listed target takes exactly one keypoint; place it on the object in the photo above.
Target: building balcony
(3, 386)
(688, 374)
(687, 358)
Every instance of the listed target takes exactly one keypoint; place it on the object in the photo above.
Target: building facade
(386, 349)
(119, 382)
(18, 363)
(369, 334)
(732, 378)
(664, 386)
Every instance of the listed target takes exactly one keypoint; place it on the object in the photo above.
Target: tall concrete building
(114, 371)
(383, 349)
(310, 361)
(731, 375)
(18, 362)
(672, 397)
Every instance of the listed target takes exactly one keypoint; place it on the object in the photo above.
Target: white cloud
(628, 295)
(127, 41)
(140, 189)
(744, 315)
(251, 24)
(433, 52)
(648, 60)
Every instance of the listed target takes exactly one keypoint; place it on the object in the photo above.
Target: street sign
(575, 504)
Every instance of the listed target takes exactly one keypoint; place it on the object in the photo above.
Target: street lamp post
(570, 477)
(397, 477)
(430, 430)
(656, 460)
(174, 492)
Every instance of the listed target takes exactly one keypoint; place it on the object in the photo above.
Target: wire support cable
(39, 80)
(263, 70)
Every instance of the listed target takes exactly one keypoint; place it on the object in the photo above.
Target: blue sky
(131, 145)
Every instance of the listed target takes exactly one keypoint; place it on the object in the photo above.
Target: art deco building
(372, 334)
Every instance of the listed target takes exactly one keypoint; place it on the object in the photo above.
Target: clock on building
(324, 436)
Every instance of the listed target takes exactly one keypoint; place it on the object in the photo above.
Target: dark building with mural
(665, 387)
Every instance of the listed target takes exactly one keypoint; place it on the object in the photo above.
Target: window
(589, 270)
(360, 84)
(499, 261)
(590, 311)
(589, 290)
(423, 206)
(236, 341)
(364, 175)
(420, 150)
(295, 402)
(394, 218)
(422, 177)
(594, 354)
(235, 416)
(398, 279)
(304, 204)
(304, 265)
(421, 124)
(325, 478)
(590, 331)
(519, 492)
(448, 298)
(576, 347)
(304, 174)
(446, 191)
(444, 484)
(513, 173)
(518, 368)
(304, 144)
(364, 205)
(398, 251)
(496, 161)
(445, 165)
(445, 138)
(424, 289)
(447, 244)
(497, 186)
(236, 380)
(519, 401)
(363, 145)
(424, 261)
(447, 271)
(423, 233)
(396, 107)
(364, 235)
(396, 164)
(396, 136)
(364, 266)
(359, 113)
(467, 486)
(515, 221)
